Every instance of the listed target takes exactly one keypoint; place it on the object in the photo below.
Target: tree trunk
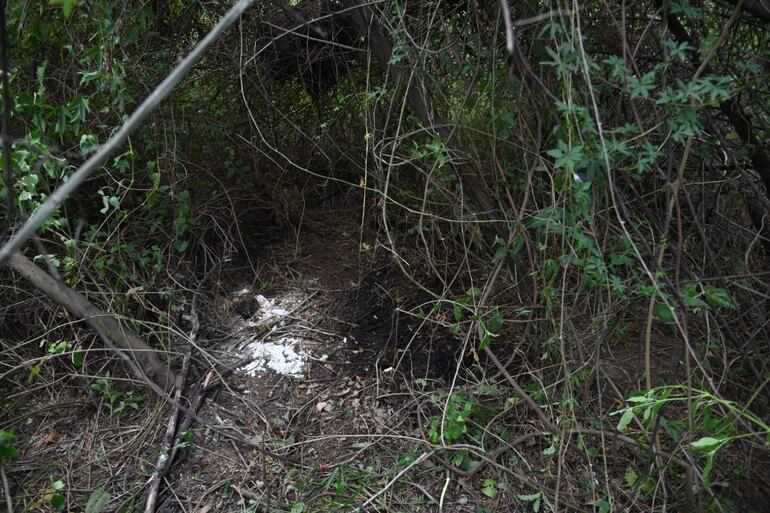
(145, 357)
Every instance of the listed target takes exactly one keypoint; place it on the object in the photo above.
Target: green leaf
(496, 322)
(518, 243)
(66, 6)
(707, 443)
(58, 485)
(7, 450)
(78, 357)
(489, 488)
(535, 499)
(625, 419)
(695, 303)
(58, 502)
(181, 245)
(631, 476)
(485, 340)
(718, 298)
(664, 313)
(98, 501)
(500, 254)
(708, 466)
(690, 297)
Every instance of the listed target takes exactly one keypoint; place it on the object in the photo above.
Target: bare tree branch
(116, 141)
(129, 345)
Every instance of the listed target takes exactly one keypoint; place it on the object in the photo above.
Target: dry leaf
(46, 439)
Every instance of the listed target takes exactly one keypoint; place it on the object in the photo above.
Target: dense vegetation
(575, 197)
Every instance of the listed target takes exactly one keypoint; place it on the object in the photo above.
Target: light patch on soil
(257, 337)
(279, 356)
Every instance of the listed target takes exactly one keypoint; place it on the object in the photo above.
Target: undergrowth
(578, 200)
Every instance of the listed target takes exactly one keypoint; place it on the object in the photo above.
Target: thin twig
(398, 476)
(6, 489)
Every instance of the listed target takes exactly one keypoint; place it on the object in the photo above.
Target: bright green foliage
(454, 423)
(116, 401)
(714, 419)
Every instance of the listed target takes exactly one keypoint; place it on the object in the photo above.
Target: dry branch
(126, 341)
(164, 460)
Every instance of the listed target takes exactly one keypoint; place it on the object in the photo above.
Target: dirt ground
(339, 425)
(328, 390)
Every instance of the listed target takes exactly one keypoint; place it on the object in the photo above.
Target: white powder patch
(257, 337)
(278, 356)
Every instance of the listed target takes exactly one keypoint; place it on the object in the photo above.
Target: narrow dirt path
(323, 353)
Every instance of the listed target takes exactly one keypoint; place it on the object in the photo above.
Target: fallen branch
(173, 434)
(164, 459)
(127, 343)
